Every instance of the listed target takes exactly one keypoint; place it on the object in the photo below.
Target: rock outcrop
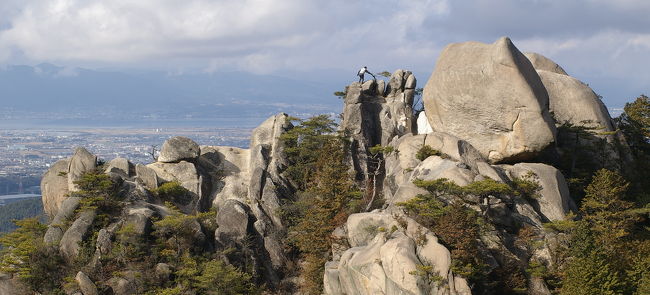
(54, 186)
(9, 285)
(81, 162)
(85, 284)
(575, 106)
(374, 114)
(487, 109)
(178, 148)
(245, 185)
(383, 255)
(570, 100)
(59, 180)
(491, 96)
(75, 234)
(542, 63)
(377, 254)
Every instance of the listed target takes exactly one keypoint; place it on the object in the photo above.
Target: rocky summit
(477, 156)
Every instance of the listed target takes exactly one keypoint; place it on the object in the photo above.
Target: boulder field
(488, 115)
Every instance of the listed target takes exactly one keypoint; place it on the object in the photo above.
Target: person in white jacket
(361, 73)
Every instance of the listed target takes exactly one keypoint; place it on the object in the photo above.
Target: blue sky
(604, 43)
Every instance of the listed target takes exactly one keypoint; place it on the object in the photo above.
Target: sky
(604, 43)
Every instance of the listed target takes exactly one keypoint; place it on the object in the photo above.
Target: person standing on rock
(362, 71)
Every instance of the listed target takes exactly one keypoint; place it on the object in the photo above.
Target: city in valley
(25, 154)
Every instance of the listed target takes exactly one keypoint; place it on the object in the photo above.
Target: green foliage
(386, 74)
(195, 275)
(98, 192)
(488, 187)
(583, 150)
(326, 196)
(173, 192)
(303, 146)
(19, 245)
(508, 278)
(591, 274)
(536, 269)
(527, 186)
(426, 151)
(607, 250)
(32, 207)
(428, 274)
(25, 255)
(219, 278)
(176, 231)
(634, 123)
(457, 226)
(636, 118)
(565, 225)
(129, 245)
(381, 149)
(340, 94)
(605, 209)
(169, 190)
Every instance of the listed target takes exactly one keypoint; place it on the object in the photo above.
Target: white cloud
(259, 34)
(592, 39)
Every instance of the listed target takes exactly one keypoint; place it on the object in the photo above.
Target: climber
(362, 71)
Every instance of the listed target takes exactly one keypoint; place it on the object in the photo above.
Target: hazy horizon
(296, 52)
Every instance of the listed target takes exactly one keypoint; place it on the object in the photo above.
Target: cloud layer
(595, 40)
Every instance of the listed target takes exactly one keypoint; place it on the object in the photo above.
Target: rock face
(59, 180)
(75, 234)
(542, 63)
(553, 201)
(572, 101)
(184, 173)
(373, 115)
(10, 285)
(85, 284)
(229, 172)
(486, 109)
(491, 96)
(486, 104)
(244, 185)
(382, 256)
(54, 187)
(147, 175)
(120, 165)
(178, 148)
(55, 228)
(81, 162)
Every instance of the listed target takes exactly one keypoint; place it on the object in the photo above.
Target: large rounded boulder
(490, 96)
(179, 148)
(570, 100)
(543, 63)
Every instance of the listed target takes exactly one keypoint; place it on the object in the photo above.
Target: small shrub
(170, 190)
(487, 187)
(536, 269)
(426, 151)
(428, 274)
(340, 94)
(173, 192)
(527, 186)
(393, 229)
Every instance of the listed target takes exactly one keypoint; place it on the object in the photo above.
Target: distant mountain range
(48, 87)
